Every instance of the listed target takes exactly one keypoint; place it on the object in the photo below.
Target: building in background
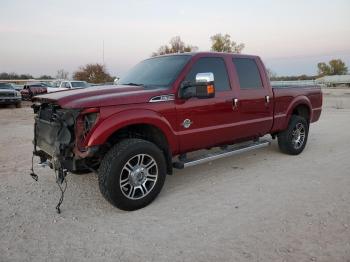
(336, 80)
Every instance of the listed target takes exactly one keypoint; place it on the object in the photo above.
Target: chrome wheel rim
(138, 176)
(298, 136)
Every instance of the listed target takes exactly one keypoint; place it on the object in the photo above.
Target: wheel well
(303, 111)
(146, 132)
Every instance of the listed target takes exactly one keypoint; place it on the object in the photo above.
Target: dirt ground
(258, 206)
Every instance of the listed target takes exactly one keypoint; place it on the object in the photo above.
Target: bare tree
(223, 43)
(93, 73)
(9, 76)
(176, 45)
(45, 77)
(61, 74)
(271, 74)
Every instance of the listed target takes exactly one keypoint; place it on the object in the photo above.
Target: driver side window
(215, 65)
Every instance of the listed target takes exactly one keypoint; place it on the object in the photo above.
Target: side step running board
(230, 151)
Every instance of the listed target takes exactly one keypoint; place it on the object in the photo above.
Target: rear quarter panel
(287, 99)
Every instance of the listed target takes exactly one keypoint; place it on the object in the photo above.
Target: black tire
(287, 142)
(112, 170)
(18, 105)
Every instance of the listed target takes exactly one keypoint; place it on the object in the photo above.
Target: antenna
(103, 52)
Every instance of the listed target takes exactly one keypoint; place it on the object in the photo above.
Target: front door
(204, 123)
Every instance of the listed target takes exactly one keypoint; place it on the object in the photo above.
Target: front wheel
(293, 140)
(132, 174)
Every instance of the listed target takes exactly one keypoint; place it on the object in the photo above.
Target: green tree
(323, 69)
(176, 45)
(93, 73)
(334, 67)
(338, 67)
(223, 43)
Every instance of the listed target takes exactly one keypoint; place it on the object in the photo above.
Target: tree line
(14, 76)
(97, 73)
(333, 67)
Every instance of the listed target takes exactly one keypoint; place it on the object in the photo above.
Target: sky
(291, 36)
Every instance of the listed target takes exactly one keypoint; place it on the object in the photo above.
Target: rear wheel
(293, 140)
(18, 105)
(132, 174)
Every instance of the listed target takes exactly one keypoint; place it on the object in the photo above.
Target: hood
(10, 91)
(99, 96)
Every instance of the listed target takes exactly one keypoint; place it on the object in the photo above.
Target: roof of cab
(209, 53)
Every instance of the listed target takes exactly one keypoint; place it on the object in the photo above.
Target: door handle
(267, 99)
(235, 102)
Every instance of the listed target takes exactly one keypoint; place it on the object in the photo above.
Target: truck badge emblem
(187, 123)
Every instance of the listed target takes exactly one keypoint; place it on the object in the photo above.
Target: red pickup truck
(32, 89)
(135, 133)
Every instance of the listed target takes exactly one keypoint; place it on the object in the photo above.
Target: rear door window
(248, 73)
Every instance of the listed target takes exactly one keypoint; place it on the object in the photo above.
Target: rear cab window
(215, 65)
(248, 73)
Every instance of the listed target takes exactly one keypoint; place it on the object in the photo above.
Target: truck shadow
(218, 170)
(7, 106)
(194, 178)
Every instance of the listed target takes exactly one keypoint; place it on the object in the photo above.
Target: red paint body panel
(161, 116)
(31, 91)
(215, 121)
(286, 99)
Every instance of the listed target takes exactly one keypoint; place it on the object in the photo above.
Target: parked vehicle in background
(9, 96)
(32, 89)
(101, 84)
(16, 86)
(169, 106)
(67, 85)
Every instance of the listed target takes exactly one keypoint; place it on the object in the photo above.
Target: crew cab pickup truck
(134, 134)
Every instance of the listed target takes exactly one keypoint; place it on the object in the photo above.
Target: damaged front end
(60, 139)
(61, 134)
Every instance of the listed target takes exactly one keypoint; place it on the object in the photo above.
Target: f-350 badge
(187, 123)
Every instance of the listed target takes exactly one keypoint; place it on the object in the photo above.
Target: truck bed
(284, 97)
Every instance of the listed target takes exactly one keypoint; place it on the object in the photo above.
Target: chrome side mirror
(204, 77)
(202, 88)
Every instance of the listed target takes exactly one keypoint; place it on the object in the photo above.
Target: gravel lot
(259, 206)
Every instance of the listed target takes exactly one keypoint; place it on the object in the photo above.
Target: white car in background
(66, 85)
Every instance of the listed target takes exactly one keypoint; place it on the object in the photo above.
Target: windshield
(6, 86)
(79, 84)
(155, 72)
(56, 84)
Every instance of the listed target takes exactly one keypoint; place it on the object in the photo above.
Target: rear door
(253, 97)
